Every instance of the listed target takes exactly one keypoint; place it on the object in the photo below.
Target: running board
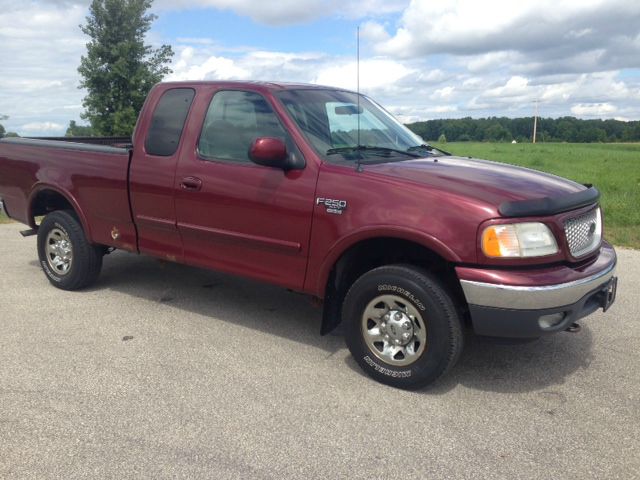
(29, 233)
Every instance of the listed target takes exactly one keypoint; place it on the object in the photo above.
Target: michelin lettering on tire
(402, 291)
(47, 270)
(387, 371)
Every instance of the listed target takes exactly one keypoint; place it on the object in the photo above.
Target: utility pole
(535, 123)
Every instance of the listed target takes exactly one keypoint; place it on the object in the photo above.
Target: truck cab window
(167, 122)
(233, 121)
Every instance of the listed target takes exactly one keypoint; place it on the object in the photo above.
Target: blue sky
(233, 31)
(421, 59)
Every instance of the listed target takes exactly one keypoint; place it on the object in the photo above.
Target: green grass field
(614, 168)
(3, 219)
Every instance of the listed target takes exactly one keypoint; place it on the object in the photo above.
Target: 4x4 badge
(332, 205)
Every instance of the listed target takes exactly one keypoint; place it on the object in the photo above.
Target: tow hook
(574, 328)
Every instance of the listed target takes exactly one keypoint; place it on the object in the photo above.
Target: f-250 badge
(332, 205)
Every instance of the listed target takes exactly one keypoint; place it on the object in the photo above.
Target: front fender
(371, 232)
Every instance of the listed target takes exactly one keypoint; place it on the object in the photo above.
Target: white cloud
(373, 32)
(213, 68)
(470, 27)
(444, 93)
(41, 49)
(375, 74)
(515, 87)
(39, 128)
(486, 62)
(594, 110)
(432, 76)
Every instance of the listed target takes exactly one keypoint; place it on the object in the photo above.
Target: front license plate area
(610, 293)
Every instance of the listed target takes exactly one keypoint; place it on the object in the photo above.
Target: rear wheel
(402, 326)
(68, 260)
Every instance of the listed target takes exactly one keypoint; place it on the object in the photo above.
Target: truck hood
(488, 182)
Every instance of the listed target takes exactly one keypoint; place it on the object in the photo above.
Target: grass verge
(3, 218)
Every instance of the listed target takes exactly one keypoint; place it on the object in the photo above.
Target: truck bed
(94, 176)
(110, 141)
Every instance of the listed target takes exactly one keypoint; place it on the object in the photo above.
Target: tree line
(503, 129)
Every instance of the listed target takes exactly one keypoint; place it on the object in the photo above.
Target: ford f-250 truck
(322, 191)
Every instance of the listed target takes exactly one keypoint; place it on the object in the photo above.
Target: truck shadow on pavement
(537, 365)
(499, 367)
(484, 365)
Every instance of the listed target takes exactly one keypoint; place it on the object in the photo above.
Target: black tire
(86, 259)
(428, 305)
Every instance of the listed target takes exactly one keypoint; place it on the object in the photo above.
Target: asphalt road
(165, 371)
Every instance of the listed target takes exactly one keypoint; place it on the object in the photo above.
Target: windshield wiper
(428, 148)
(386, 151)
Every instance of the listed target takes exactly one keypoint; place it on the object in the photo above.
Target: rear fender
(40, 187)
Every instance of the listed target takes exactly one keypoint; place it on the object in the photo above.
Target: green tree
(497, 133)
(75, 130)
(442, 138)
(3, 132)
(119, 69)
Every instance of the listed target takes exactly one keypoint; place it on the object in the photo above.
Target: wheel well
(369, 254)
(47, 201)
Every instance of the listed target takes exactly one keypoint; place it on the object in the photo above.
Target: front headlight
(518, 240)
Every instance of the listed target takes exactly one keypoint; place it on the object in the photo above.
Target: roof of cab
(251, 83)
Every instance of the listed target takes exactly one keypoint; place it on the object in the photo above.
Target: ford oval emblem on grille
(592, 228)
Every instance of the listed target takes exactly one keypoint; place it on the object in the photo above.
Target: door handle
(191, 183)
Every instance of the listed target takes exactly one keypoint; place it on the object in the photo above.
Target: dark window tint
(167, 122)
(234, 120)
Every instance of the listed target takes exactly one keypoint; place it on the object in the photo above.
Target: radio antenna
(358, 166)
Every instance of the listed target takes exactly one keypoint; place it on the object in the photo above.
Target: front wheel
(402, 326)
(67, 258)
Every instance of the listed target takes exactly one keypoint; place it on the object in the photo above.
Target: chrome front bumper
(529, 303)
(533, 297)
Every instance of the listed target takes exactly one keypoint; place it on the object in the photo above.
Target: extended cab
(320, 190)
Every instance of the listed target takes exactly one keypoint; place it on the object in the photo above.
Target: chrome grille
(584, 233)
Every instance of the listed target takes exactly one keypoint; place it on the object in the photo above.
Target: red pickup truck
(322, 191)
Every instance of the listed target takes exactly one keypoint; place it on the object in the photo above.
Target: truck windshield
(342, 129)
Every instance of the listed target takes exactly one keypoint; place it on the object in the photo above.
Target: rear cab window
(167, 122)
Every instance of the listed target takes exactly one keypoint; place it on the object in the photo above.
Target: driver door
(234, 215)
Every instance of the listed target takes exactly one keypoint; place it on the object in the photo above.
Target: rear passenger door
(152, 173)
(237, 216)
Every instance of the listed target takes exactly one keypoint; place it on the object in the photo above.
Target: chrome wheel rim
(394, 330)
(59, 251)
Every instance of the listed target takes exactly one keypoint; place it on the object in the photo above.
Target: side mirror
(270, 152)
